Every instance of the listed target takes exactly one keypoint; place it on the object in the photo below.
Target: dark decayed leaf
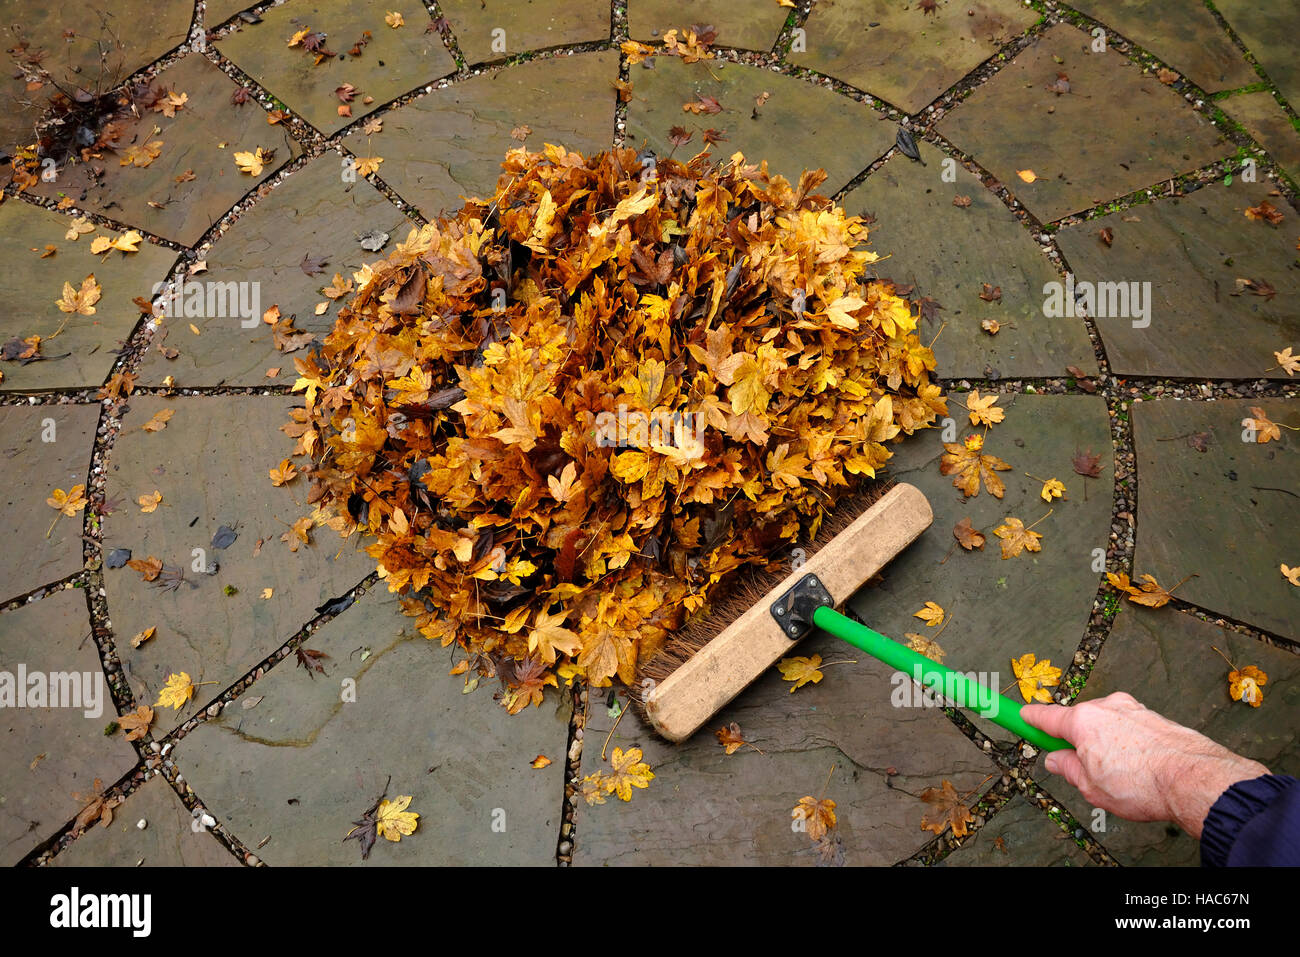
(117, 558)
(907, 146)
(225, 537)
(310, 659)
(335, 605)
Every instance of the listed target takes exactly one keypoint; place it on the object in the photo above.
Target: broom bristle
(748, 588)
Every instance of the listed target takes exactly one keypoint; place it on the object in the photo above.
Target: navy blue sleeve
(1254, 823)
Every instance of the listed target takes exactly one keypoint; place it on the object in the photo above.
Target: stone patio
(1040, 154)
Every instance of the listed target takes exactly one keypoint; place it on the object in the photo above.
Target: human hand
(1131, 761)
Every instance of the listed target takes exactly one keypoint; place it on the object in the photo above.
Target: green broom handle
(956, 686)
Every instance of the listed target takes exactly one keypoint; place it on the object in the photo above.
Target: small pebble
(141, 824)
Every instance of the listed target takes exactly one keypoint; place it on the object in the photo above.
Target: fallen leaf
(731, 738)
(251, 163)
(1247, 685)
(149, 503)
(392, 819)
(286, 472)
(1291, 574)
(924, 646)
(961, 201)
(143, 636)
(68, 503)
(818, 815)
(1052, 488)
(967, 536)
(1265, 212)
(932, 614)
(1026, 174)
(136, 723)
(159, 420)
(1265, 429)
(982, 410)
(629, 771)
(1035, 677)
(1087, 463)
(971, 464)
(1290, 364)
(800, 670)
(394, 20)
(179, 689)
(539, 762)
(80, 301)
(949, 808)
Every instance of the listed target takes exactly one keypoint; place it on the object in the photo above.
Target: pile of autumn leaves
(568, 412)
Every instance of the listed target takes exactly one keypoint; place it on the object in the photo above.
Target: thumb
(1067, 765)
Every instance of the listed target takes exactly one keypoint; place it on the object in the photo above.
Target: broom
(711, 661)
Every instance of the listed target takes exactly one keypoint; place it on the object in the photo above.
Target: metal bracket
(793, 611)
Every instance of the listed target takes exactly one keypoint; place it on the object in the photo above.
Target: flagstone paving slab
(167, 840)
(901, 54)
(314, 214)
(49, 755)
(949, 252)
(1227, 514)
(747, 24)
(210, 463)
(29, 295)
(707, 807)
(1264, 28)
(297, 761)
(524, 24)
(1015, 123)
(393, 61)
(74, 61)
(979, 590)
(802, 126)
(1184, 35)
(1192, 250)
(1167, 661)
(450, 143)
(217, 12)
(32, 468)
(1019, 835)
(1270, 125)
(190, 144)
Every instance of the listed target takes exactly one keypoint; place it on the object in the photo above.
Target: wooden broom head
(711, 661)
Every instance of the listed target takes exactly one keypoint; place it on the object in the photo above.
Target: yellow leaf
(629, 772)
(136, 723)
(982, 410)
(70, 502)
(149, 503)
(267, 593)
(1026, 174)
(931, 614)
(393, 820)
(922, 645)
(144, 636)
(818, 815)
(1291, 574)
(1034, 678)
(81, 301)
(800, 670)
(1016, 538)
(1052, 488)
(83, 225)
(1265, 429)
(394, 19)
(1247, 685)
(159, 420)
(1290, 364)
(179, 689)
(539, 762)
(550, 637)
(285, 473)
(251, 163)
(368, 164)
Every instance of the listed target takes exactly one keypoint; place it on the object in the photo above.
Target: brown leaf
(948, 808)
(968, 537)
(1087, 463)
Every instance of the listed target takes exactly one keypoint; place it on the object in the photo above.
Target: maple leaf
(1017, 538)
(143, 636)
(818, 815)
(149, 503)
(159, 420)
(970, 463)
(1265, 429)
(1291, 574)
(924, 646)
(991, 293)
(731, 738)
(368, 164)
(142, 154)
(949, 808)
(299, 533)
(394, 19)
(1035, 677)
(1290, 364)
(1247, 685)
(1151, 594)
(635, 52)
(128, 242)
(1052, 488)
(548, 636)
(629, 772)
(251, 163)
(702, 105)
(931, 614)
(310, 659)
(1087, 463)
(392, 819)
(991, 326)
(283, 474)
(1264, 212)
(528, 680)
(1027, 175)
(800, 670)
(136, 723)
(97, 807)
(982, 411)
(80, 301)
(178, 690)
(68, 503)
(83, 225)
(149, 568)
(967, 536)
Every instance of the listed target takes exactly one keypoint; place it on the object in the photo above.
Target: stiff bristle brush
(710, 661)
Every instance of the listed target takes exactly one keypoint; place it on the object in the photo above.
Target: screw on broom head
(712, 659)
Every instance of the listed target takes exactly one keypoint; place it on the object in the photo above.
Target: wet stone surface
(86, 346)
(51, 757)
(391, 60)
(1191, 250)
(1152, 133)
(1167, 661)
(1227, 514)
(1268, 30)
(704, 804)
(290, 245)
(949, 252)
(491, 30)
(450, 143)
(747, 24)
(194, 179)
(210, 464)
(1019, 835)
(799, 127)
(300, 759)
(168, 838)
(54, 443)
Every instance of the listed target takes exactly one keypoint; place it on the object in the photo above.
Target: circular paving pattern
(1082, 177)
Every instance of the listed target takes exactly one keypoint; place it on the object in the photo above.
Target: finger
(1067, 765)
(1055, 719)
